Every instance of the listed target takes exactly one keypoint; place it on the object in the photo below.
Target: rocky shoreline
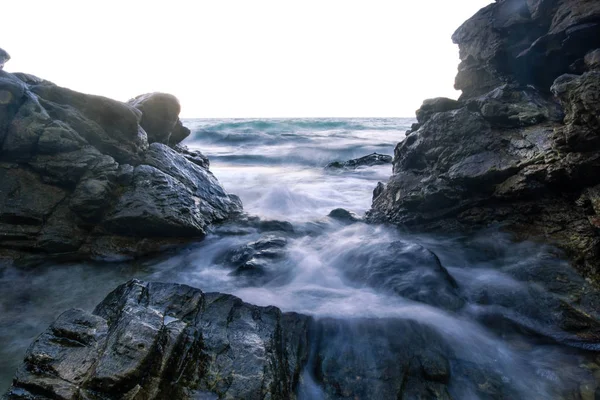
(520, 147)
(85, 177)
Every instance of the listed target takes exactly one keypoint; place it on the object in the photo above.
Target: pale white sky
(258, 58)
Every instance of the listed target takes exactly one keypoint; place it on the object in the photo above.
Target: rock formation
(86, 176)
(520, 147)
(159, 341)
(366, 161)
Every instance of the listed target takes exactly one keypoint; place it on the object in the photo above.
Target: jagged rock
(4, 57)
(513, 106)
(78, 174)
(579, 97)
(525, 42)
(257, 261)
(157, 341)
(378, 190)
(511, 155)
(366, 161)
(160, 117)
(592, 60)
(194, 156)
(432, 106)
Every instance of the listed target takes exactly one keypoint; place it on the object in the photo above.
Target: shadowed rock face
(520, 147)
(80, 178)
(159, 341)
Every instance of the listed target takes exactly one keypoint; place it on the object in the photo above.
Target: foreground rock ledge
(521, 146)
(159, 341)
(80, 177)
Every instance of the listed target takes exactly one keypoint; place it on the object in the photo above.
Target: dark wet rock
(406, 269)
(157, 341)
(366, 161)
(579, 96)
(509, 154)
(592, 60)
(194, 156)
(258, 261)
(432, 106)
(414, 127)
(160, 117)
(344, 215)
(378, 190)
(78, 174)
(524, 42)
(513, 106)
(380, 359)
(4, 57)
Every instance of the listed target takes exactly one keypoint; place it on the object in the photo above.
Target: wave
(265, 130)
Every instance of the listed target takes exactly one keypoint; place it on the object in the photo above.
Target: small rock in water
(4, 57)
(255, 260)
(344, 215)
(366, 161)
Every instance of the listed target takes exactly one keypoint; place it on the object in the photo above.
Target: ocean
(277, 168)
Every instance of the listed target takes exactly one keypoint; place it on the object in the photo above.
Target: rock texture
(366, 161)
(159, 341)
(81, 177)
(520, 147)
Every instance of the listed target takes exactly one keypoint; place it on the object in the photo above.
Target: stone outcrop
(366, 161)
(158, 341)
(81, 177)
(520, 147)
(160, 117)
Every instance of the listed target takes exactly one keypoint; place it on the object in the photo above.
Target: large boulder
(520, 147)
(158, 341)
(525, 42)
(80, 179)
(160, 117)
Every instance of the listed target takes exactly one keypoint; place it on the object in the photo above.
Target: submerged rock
(79, 176)
(366, 161)
(257, 261)
(508, 153)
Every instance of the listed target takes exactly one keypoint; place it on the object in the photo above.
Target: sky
(246, 58)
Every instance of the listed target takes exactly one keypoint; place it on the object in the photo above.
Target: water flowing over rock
(158, 341)
(520, 147)
(80, 178)
(366, 161)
